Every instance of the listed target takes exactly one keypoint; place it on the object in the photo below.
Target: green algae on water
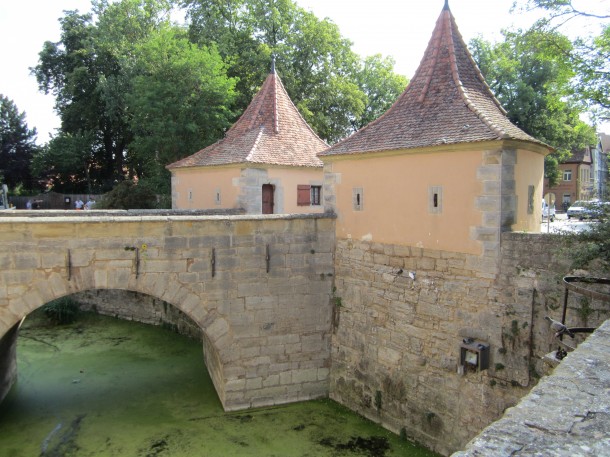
(105, 387)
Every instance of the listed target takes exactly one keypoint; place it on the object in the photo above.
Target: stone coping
(40, 216)
(566, 414)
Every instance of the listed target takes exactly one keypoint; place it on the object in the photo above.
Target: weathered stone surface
(566, 414)
(235, 302)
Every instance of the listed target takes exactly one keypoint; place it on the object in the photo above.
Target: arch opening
(124, 305)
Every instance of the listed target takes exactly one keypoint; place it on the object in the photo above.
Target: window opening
(358, 199)
(530, 199)
(435, 199)
(316, 192)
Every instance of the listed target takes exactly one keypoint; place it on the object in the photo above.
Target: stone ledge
(145, 215)
(566, 414)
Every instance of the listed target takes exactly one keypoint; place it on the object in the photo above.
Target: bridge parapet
(258, 286)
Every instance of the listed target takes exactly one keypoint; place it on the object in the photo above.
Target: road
(563, 224)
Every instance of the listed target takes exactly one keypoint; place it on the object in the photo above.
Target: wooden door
(267, 199)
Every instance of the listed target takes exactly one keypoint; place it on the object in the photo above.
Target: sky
(397, 28)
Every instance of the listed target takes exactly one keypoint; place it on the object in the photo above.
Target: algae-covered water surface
(106, 387)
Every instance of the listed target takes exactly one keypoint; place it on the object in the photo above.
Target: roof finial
(273, 63)
(446, 7)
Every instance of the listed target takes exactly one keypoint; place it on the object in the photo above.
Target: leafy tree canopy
(17, 146)
(589, 52)
(334, 89)
(104, 73)
(532, 79)
(135, 92)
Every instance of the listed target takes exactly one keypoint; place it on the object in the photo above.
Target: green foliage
(589, 54)
(133, 95)
(61, 311)
(67, 161)
(179, 103)
(17, 146)
(590, 248)
(335, 91)
(531, 77)
(128, 195)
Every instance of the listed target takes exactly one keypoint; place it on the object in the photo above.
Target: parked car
(586, 210)
(548, 212)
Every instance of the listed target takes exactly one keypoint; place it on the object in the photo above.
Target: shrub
(61, 311)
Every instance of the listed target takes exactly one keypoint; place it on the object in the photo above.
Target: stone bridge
(259, 287)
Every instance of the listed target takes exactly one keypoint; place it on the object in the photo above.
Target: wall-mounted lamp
(474, 355)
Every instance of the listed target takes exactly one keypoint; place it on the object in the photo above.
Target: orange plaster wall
(290, 178)
(395, 200)
(203, 183)
(529, 170)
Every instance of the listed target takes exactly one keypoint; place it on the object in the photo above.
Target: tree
(75, 70)
(68, 162)
(17, 146)
(589, 53)
(376, 78)
(129, 195)
(178, 101)
(532, 80)
(317, 66)
(132, 94)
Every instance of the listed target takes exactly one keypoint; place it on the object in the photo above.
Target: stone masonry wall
(142, 308)
(566, 414)
(531, 280)
(401, 314)
(258, 287)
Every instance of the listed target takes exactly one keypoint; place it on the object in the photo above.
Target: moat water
(105, 387)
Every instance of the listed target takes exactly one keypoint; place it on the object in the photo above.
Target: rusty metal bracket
(69, 265)
(213, 262)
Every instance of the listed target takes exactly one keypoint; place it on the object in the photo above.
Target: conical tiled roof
(271, 131)
(446, 102)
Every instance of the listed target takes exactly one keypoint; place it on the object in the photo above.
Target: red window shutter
(303, 195)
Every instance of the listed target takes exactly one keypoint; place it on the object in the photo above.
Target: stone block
(307, 375)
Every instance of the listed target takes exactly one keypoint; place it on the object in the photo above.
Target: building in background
(265, 164)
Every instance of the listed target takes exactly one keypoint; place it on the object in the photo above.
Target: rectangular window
(530, 199)
(435, 199)
(358, 199)
(309, 195)
(567, 175)
(316, 194)
(303, 195)
(217, 196)
(190, 195)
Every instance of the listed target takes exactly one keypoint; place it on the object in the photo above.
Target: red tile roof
(446, 102)
(271, 131)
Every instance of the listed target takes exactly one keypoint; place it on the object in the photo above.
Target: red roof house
(266, 163)
(444, 167)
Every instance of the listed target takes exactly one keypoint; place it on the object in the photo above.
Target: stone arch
(257, 286)
(214, 328)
